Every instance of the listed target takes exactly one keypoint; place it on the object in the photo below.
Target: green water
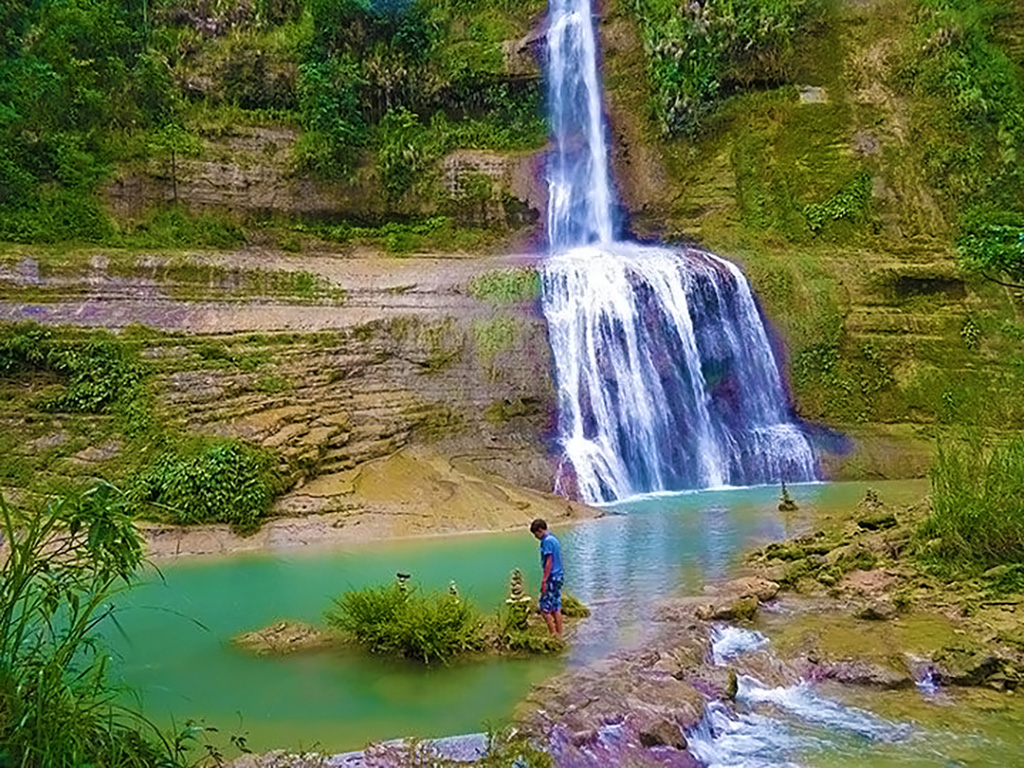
(176, 626)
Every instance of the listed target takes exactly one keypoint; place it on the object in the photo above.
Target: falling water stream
(666, 377)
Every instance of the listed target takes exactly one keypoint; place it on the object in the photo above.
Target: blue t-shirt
(549, 546)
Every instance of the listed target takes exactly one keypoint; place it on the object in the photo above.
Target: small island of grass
(402, 621)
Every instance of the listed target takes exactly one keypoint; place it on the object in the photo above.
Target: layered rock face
(384, 353)
(249, 171)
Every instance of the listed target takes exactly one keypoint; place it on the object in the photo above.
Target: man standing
(551, 581)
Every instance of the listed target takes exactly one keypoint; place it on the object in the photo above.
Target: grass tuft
(977, 518)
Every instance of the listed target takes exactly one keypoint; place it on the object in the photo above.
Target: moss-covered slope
(841, 172)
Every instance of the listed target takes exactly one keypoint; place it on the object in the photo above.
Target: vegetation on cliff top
(700, 53)
(394, 85)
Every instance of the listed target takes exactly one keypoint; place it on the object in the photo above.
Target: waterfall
(666, 378)
(579, 189)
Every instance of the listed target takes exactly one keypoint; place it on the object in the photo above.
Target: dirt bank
(414, 492)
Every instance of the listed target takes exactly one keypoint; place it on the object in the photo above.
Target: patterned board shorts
(551, 600)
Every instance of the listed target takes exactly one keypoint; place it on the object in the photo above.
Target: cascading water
(666, 380)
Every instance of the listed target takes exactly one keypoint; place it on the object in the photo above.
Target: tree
(170, 142)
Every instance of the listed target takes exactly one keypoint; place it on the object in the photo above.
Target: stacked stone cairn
(518, 601)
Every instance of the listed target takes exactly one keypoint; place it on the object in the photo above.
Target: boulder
(876, 610)
(966, 664)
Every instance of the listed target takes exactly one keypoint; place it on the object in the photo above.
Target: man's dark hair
(538, 525)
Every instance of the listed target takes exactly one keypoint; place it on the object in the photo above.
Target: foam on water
(728, 642)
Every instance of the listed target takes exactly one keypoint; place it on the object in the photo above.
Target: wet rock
(877, 520)
(870, 584)
(966, 664)
(775, 572)
(741, 609)
(761, 588)
(660, 732)
(281, 759)
(876, 610)
(624, 691)
(282, 638)
(861, 672)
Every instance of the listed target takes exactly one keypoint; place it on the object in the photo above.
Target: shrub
(57, 709)
(206, 481)
(572, 608)
(99, 369)
(977, 517)
(515, 635)
(396, 621)
(851, 203)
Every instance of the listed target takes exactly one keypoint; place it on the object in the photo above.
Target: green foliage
(851, 202)
(413, 80)
(99, 369)
(207, 481)
(841, 380)
(792, 177)
(398, 621)
(700, 53)
(493, 337)
(443, 344)
(573, 608)
(991, 242)
(90, 58)
(52, 215)
(970, 126)
(406, 149)
(329, 98)
(977, 517)
(506, 286)
(401, 237)
(57, 707)
(515, 639)
(175, 226)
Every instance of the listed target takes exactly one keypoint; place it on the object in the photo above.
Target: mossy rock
(284, 637)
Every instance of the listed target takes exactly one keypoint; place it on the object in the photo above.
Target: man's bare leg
(558, 623)
(550, 619)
